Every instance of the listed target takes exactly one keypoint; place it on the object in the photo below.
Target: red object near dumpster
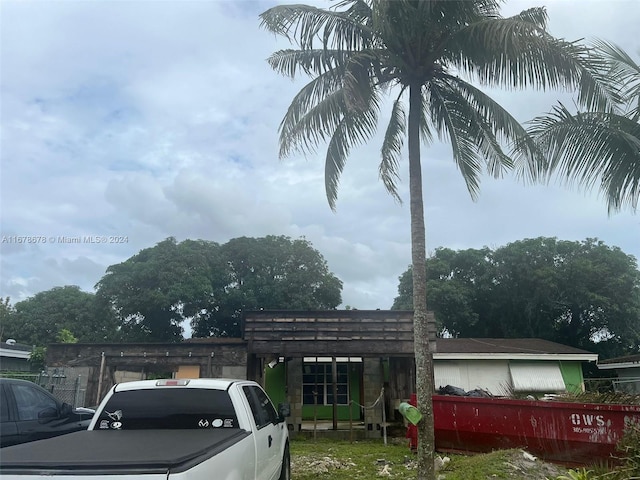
(564, 432)
(412, 430)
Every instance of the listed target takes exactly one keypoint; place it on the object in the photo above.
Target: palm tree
(421, 49)
(585, 147)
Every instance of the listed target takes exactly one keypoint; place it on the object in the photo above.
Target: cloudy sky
(140, 120)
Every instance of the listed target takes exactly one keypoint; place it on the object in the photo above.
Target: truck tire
(285, 471)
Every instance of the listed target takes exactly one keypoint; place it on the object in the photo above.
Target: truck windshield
(168, 408)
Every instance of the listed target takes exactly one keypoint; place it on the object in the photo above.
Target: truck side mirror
(65, 410)
(284, 410)
(48, 414)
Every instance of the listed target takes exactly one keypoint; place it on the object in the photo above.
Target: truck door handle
(270, 440)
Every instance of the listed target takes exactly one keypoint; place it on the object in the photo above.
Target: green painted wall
(275, 383)
(572, 376)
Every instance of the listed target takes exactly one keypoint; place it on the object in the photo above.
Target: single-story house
(371, 351)
(361, 358)
(503, 366)
(627, 369)
(14, 357)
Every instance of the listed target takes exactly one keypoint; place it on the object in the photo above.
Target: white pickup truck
(166, 429)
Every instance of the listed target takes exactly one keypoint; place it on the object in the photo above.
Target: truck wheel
(285, 471)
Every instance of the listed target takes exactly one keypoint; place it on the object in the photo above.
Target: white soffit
(9, 353)
(565, 357)
(613, 366)
(329, 359)
(537, 377)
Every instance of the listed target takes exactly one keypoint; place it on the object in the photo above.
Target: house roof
(512, 348)
(505, 345)
(15, 350)
(628, 361)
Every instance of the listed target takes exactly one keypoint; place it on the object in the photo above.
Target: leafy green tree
(156, 290)
(272, 272)
(599, 146)
(37, 358)
(456, 287)
(6, 313)
(423, 50)
(583, 294)
(40, 319)
(211, 285)
(65, 336)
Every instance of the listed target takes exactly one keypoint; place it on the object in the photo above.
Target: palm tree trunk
(423, 355)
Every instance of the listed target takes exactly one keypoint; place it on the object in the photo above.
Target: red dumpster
(565, 432)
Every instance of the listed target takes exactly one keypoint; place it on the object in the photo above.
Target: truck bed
(119, 451)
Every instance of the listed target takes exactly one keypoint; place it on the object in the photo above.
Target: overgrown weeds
(629, 448)
(372, 460)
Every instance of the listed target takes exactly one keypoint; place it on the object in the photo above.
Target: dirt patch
(304, 464)
(526, 466)
(517, 464)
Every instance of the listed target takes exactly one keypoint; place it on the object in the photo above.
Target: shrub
(583, 474)
(629, 446)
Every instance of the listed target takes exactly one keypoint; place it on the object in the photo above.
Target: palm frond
(536, 16)
(426, 137)
(624, 71)
(359, 10)
(290, 62)
(585, 148)
(354, 129)
(313, 114)
(450, 122)
(516, 53)
(506, 129)
(302, 131)
(481, 126)
(358, 49)
(597, 91)
(623, 67)
(318, 107)
(303, 24)
(392, 148)
(358, 80)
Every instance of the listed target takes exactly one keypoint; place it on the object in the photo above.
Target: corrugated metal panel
(537, 377)
(492, 376)
(447, 374)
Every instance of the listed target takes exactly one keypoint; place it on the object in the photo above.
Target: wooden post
(384, 417)
(334, 374)
(349, 401)
(103, 361)
(315, 400)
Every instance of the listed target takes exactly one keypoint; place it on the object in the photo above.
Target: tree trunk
(423, 355)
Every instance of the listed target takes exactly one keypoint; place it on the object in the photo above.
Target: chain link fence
(67, 385)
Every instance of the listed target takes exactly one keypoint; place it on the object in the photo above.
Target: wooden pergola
(370, 334)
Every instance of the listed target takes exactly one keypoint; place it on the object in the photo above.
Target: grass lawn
(367, 460)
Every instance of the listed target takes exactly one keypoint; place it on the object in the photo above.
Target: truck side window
(261, 407)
